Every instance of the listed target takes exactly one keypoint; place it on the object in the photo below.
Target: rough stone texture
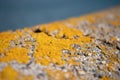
(82, 48)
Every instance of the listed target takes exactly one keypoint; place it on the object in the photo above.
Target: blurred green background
(16, 14)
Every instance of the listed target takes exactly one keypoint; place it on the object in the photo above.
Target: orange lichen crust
(9, 73)
(18, 54)
(9, 50)
(82, 48)
(60, 75)
(49, 49)
(5, 38)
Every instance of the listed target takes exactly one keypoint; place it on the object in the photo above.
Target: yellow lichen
(8, 73)
(105, 78)
(60, 75)
(5, 38)
(49, 48)
(115, 23)
(44, 44)
(16, 53)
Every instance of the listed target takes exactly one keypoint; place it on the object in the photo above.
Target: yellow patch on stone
(115, 23)
(60, 75)
(49, 48)
(5, 38)
(16, 53)
(8, 73)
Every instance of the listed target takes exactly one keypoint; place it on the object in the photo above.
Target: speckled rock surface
(82, 48)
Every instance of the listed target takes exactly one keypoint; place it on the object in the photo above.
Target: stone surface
(82, 48)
